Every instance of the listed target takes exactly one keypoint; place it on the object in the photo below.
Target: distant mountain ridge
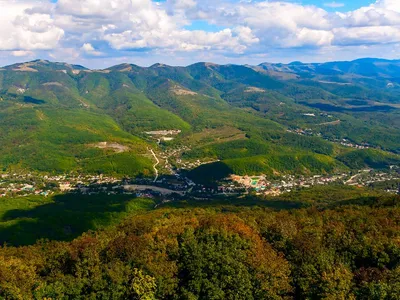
(369, 60)
(270, 118)
(361, 67)
(341, 70)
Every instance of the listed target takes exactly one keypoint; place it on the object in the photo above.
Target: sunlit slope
(116, 95)
(241, 115)
(51, 139)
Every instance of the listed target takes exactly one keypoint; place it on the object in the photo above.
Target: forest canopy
(219, 252)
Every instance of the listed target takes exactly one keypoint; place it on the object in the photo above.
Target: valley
(283, 178)
(202, 132)
(168, 187)
(69, 118)
(199, 150)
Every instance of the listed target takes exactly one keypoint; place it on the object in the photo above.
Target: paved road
(164, 191)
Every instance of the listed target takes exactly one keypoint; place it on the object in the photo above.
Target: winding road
(155, 166)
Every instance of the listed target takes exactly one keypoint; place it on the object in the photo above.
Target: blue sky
(330, 6)
(102, 33)
(347, 4)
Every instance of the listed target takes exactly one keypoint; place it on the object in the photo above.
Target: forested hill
(271, 118)
(348, 250)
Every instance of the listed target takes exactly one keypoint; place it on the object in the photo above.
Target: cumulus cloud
(240, 27)
(334, 4)
(142, 24)
(88, 49)
(366, 35)
(288, 25)
(392, 5)
(283, 24)
(96, 8)
(20, 30)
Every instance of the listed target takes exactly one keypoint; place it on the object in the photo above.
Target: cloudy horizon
(99, 33)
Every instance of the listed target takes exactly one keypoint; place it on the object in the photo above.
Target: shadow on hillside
(234, 204)
(28, 99)
(381, 201)
(237, 203)
(64, 219)
(210, 173)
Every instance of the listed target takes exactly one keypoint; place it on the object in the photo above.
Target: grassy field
(25, 220)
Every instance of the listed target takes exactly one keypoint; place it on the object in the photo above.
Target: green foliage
(221, 257)
(368, 159)
(272, 164)
(301, 163)
(60, 141)
(314, 144)
(52, 118)
(345, 249)
(62, 217)
(120, 164)
(212, 266)
(229, 150)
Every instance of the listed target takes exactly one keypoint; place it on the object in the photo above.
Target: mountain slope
(58, 117)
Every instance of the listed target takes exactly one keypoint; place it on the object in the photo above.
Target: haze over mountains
(271, 118)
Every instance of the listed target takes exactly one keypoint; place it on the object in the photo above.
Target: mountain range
(274, 119)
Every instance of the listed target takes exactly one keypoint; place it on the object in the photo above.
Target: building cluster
(20, 184)
(23, 185)
(164, 132)
(299, 131)
(188, 165)
(343, 142)
(22, 189)
(364, 178)
(171, 155)
(169, 187)
(347, 143)
(389, 181)
(35, 184)
(286, 183)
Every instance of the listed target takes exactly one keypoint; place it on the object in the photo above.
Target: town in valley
(178, 185)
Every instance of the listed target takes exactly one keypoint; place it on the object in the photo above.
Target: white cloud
(96, 8)
(147, 25)
(72, 27)
(235, 40)
(22, 31)
(182, 4)
(87, 48)
(381, 13)
(366, 35)
(334, 4)
(310, 37)
(22, 53)
(282, 24)
(392, 5)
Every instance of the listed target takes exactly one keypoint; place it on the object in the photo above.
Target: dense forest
(329, 242)
(343, 248)
(255, 119)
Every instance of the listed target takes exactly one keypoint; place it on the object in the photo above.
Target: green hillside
(272, 119)
(320, 243)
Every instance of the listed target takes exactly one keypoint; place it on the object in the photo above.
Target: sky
(102, 33)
